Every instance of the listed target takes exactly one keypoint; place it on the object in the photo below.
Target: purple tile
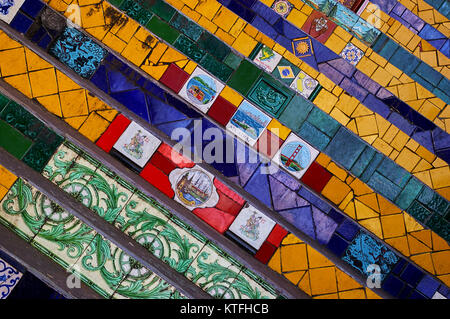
(367, 82)
(325, 226)
(287, 180)
(264, 11)
(401, 123)
(331, 73)
(342, 66)
(377, 106)
(399, 9)
(258, 186)
(354, 89)
(428, 286)
(283, 198)
(302, 219)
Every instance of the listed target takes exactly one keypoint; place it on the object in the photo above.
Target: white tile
(304, 84)
(299, 162)
(137, 144)
(9, 278)
(201, 89)
(252, 226)
(438, 295)
(248, 123)
(194, 187)
(267, 59)
(9, 9)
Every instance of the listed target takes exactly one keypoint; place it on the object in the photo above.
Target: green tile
(409, 193)
(19, 118)
(322, 121)
(13, 141)
(244, 77)
(220, 70)
(270, 95)
(232, 60)
(285, 71)
(186, 26)
(190, 48)
(163, 10)
(163, 30)
(214, 46)
(136, 11)
(295, 113)
(116, 3)
(44, 147)
(313, 136)
(3, 102)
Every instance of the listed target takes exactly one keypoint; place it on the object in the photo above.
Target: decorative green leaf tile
(248, 286)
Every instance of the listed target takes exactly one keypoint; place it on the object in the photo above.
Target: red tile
(268, 143)
(316, 177)
(158, 179)
(230, 193)
(313, 26)
(179, 160)
(113, 132)
(216, 218)
(228, 205)
(174, 77)
(163, 163)
(222, 110)
(265, 252)
(277, 235)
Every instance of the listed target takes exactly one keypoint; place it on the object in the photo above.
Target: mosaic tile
(9, 278)
(78, 52)
(201, 90)
(252, 226)
(304, 84)
(248, 123)
(352, 54)
(267, 59)
(295, 156)
(137, 144)
(302, 47)
(282, 7)
(318, 26)
(9, 9)
(285, 71)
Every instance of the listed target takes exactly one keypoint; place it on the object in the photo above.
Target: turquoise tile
(232, 60)
(345, 148)
(295, 113)
(409, 193)
(313, 136)
(370, 169)
(190, 48)
(220, 70)
(383, 186)
(186, 26)
(363, 161)
(323, 122)
(394, 172)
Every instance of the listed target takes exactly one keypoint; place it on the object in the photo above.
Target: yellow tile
(335, 190)
(339, 116)
(366, 66)
(65, 83)
(191, 13)
(403, 35)
(35, 62)
(136, 51)
(278, 129)
(363, 211)
(367, 125)
(208, 8)
(316, 259)
(13, 62)
(7, 178)
(295, 276)
(381, 76)
(7, 43)
(291, 239)
(126, 30)
(337, 171)
(393, 225)
(440, 261)
(113, 42)
(352, 294)
(340, 32)
(335, 43)
(424, 261)
(297, 18)
(155, 71)
(94, 127)
(440, 177)
(407, 159)
(51, 103)
(345, 282)
(3, 192)
(208, 25)
(407, 92)
(225, 19)
(76, 121)
(429, 110)
(190, 67)
(323, 280)
(225, 37)
(275, 262)
(43, 82)
(400, 140)
(231, 96)
(73, 103)
(21, 82)
(294, 257)
(251, 30)
(325, 101)
(92, 16)
(373, 225)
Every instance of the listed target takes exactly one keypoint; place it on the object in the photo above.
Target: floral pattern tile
(9, 278)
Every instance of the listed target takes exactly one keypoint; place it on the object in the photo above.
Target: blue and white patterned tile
(282, 7)
(9, 9)
(9, 277)
(352, 54)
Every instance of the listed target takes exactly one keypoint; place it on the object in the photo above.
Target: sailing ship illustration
(136, 146)
(251, 227)
(194, 188)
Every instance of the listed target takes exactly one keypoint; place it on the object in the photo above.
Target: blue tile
(363, 161)
(264, 27)
(336, 216)
(313, 136)
(377, 105)
(354, 89)
(345, 148)
(323, 122)
(409, 193)
(302, 219)
(428, 73)
(404, 60)
(428, 286)
(99, 79)
(391, 170)
(258, 186)
(160, 112)
(412, 275)
(315, 200)
(370, 169)
(416, 295)
(135, 101)
(385, 187)
(32, 7)
(265, 12)
(398, 268)
(21, 23)
(337, 245)
(348, 229)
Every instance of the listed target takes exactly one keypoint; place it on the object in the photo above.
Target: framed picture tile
(304, 84)
(9, 9)
(252, 226)
(267, 59)
(194, 187)
(137, 144)
(295, 155)
(201, 89)
(248, 123)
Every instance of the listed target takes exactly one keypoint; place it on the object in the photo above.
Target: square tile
(285, 71)
(302, 47)
(295, 155)
(252, 226)
(137, 144)
(319, 26)
(9, 277)
(9, 9)
(282, 7)
(113, 132)
(248, 123)
(222, 110)
(267, 59)
(194, 187)
(304, 84)
(174, 77)
(352, 54)
(201, 89)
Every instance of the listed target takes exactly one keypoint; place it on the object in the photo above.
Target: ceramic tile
(295, 155)
(9, 9)
(193, 187)
(282, 7)
(304, 84)
(352, 54)
(252, 226)
(137, 144)
(201, 90)
(248, 123)
(267, 59)
(9, 278)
